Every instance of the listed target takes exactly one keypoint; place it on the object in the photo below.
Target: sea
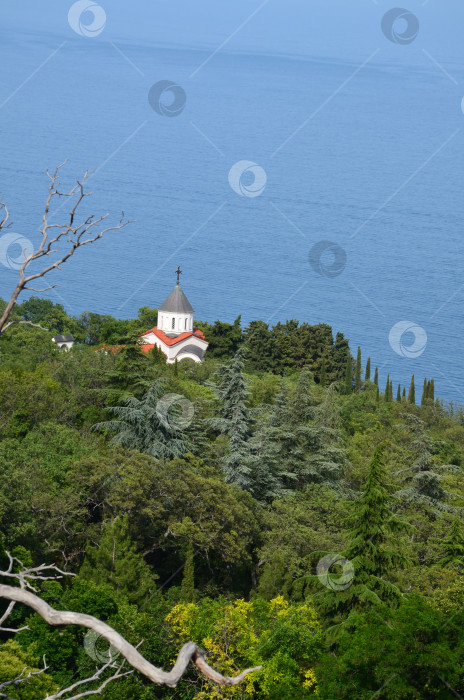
(285, 187)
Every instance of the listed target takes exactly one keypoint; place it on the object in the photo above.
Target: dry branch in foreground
(72, 233)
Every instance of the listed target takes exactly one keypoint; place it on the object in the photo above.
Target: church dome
(177, 303)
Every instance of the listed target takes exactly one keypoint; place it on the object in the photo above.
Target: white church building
(175, 333)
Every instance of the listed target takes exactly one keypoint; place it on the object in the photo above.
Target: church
(175, 333)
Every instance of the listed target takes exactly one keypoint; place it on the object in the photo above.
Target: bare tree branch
(95, 677)
(189, 652)
(25, 323)
(22, 678)
(71, 233)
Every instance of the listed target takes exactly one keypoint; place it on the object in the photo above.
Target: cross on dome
(178, 273)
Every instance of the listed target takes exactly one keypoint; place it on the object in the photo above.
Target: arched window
(186, 323)
(173, 323)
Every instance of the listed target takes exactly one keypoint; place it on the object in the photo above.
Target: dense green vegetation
(271, 504)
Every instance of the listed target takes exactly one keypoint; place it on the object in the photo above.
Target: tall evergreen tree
(234, 419)
(376, 376)
(369, 557)
(412, 392)
(387, 389)
(403, 396)
(432, 390)
(348, 375)
(368, 370)
(357, 381)
(187, 589)
(423, 481)
(453, 547)
(116, 562)
(148, 424)
(398, 394)
(424, 392)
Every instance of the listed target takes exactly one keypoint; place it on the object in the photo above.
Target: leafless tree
(26, 593)
(73, 233)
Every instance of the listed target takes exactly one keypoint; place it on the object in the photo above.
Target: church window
(173, 323)
(186, 323)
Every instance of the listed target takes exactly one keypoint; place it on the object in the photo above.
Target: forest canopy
(283, 511)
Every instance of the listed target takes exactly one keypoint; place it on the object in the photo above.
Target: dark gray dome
(176, 302)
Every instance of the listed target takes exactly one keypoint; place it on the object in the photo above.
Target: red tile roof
(178, 338)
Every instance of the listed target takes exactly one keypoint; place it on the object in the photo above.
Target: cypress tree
(357, 381)
(376, 377)
(398, 394)
(412, 392)
(368, 370)
(425, 391)
(432, 390)
(349, 375)
(387, 389)
(187, 589)
(368, 557)
(403, 397)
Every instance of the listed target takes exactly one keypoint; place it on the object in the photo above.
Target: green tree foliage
(148, 424)
(422, 477)
(348, 388)
(187, 590)
(234, 419)
(123, 520)
(453, 547)
(357, 374)
(114, 561)
(368, 370)
(412, 392)
(411, 652)
(369, 556)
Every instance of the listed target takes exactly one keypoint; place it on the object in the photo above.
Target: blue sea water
(369, 157)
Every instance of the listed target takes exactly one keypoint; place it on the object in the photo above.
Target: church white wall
(175, 323)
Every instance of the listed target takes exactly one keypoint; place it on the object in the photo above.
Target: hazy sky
(344, 29)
